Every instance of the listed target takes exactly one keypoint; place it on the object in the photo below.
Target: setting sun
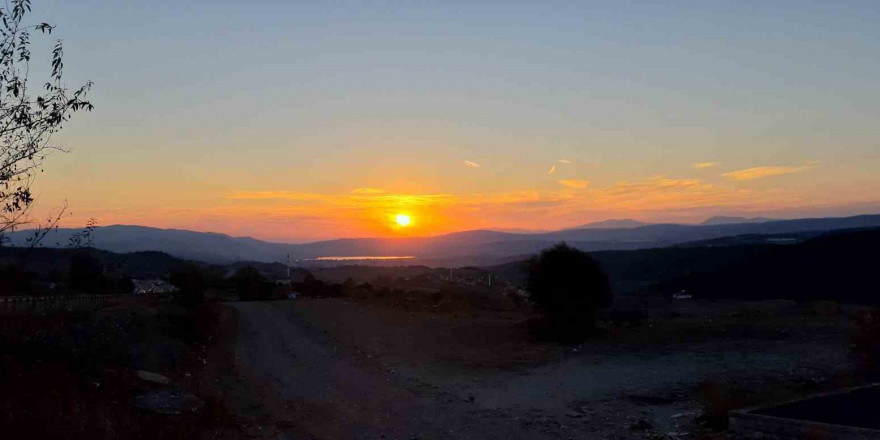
(403, 220)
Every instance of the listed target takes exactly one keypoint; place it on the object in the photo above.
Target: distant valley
(479, 247)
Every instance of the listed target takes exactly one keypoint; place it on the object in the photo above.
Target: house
(155, 286)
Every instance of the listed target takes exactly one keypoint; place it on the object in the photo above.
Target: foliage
(840, 266)
(27, 120)
(570, 286)
(86, 274)
(83, 239)
(251, 285)
(15, 280)
(315, 288)
(191, 284)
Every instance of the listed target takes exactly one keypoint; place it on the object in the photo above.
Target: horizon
(510, 232)
(307, 122)
(439, 219)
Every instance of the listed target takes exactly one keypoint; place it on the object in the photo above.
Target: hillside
(478, 247)
(838, 265)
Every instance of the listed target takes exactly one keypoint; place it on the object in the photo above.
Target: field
(332, 368)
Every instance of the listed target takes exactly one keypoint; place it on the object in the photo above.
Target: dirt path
(313, 388)
(326, 370)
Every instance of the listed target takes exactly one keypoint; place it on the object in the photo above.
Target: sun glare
(403, 220)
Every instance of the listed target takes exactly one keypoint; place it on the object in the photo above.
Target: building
(153, 286)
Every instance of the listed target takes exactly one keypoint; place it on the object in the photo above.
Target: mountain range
(455, 249)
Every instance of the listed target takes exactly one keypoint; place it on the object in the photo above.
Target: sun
(403, 220)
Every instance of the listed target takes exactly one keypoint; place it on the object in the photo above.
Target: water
(364, 257)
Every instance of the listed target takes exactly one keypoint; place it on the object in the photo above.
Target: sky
(298, 121)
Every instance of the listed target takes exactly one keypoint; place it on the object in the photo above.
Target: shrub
(86, 274)
(570, 287)
(190, 284)
(251, 285)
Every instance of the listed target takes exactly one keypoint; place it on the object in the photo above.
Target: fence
(15, 304)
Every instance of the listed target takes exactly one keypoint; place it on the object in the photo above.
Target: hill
(480, 247)
(43, 261)
(625, 223)
(832, 265)
(724, 220)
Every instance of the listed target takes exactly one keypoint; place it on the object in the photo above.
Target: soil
(329, 368)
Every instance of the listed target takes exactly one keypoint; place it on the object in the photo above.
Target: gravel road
(310, 384)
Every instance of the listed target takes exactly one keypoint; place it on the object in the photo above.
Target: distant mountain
(624, 223)
(837, 265)
(44, 261)
(479, 247)
(725, 220)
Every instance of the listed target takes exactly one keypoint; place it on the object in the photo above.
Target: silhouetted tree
(570, 286)
(251, 285)
(191, 285)
(27, 122)
(86, 274)
(124, 286)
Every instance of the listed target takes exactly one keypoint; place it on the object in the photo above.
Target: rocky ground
(328, 368)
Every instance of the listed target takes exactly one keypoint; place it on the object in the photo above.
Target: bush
(251, 285)
(314, 288)
(86, 274)
(570, 287)
(190, 284)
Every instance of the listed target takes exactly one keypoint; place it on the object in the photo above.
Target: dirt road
(323, 393)
(329, 369)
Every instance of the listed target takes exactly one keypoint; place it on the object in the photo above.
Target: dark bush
(191, 285)
(315, 288)
(86, 274)
(251, 285)
(570, 287)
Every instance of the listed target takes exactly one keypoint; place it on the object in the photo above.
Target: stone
(153, 377)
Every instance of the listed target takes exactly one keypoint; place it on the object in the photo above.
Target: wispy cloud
(571, 183)
(471, 164)
(762, 172)
(368, 191)
(272, 195)
(704, 165)
(366, 212)
(552, 169)
(564, 161)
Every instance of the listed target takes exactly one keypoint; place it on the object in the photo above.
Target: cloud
(574, 183)
(471, 164)
(704, 165)
(762, 172)
(564, 161)
(272, 195)
(552, 169)
(364, 212)
(365, 191)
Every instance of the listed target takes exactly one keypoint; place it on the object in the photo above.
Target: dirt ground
(329, 368)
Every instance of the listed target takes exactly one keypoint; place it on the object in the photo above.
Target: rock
(574, 414)
(168, 402)
(153, 377)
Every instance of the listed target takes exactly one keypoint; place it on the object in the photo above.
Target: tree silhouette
(28, 121)
(569, 286)
(251, 285)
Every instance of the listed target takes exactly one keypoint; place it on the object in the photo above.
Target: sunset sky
(298, 121)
